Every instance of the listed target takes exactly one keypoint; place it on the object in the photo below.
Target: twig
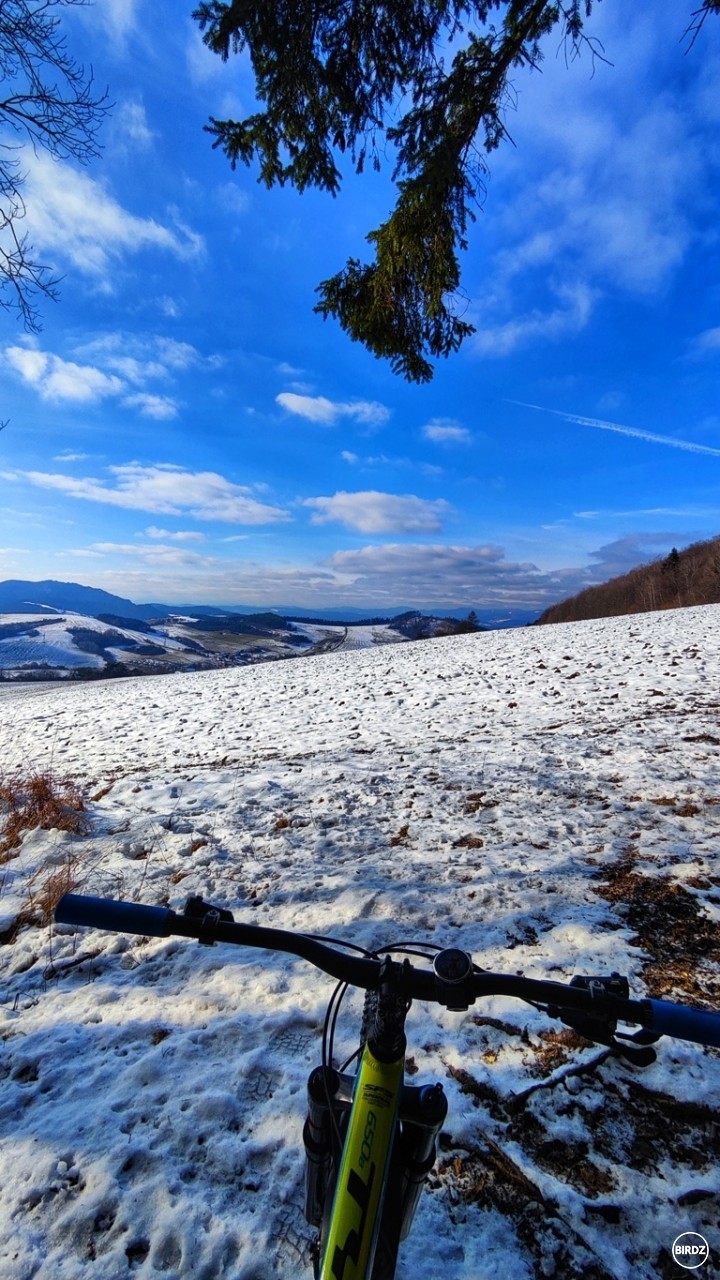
(517, 1102)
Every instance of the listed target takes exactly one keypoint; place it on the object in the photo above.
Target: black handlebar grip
(120, 917)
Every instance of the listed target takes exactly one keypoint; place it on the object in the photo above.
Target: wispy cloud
(446, 431)
(327, 412)
(58, 379)
(231, 197)
(570, 315)
(159, 407)
(156, 555)
(707, 343)
(683, 513)
(182, 535)
(72, 217)
(373, 512)
(122, 367)
(129, 126)
(614, 168)
(688, 445)
(166, 490)
(118, 16)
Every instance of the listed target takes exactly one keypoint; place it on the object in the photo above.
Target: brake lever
(635, 1047)
(602, 1029)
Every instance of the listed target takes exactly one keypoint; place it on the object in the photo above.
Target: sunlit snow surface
(473, 791)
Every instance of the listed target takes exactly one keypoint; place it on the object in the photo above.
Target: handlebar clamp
(209, 917)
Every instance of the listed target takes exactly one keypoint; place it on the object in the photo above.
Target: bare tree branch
(49, 104)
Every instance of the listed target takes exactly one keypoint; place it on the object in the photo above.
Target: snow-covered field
(349, 638)
(548, 799)
(68, 643)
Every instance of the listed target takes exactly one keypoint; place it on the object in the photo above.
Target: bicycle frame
(351, 1236)
(363, 1193)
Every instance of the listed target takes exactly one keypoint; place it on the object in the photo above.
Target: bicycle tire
(368, 1017)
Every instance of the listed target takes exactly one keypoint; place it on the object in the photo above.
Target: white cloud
(373, 512)
(603, 188)
(443, 575)
(157, 555)
(167, 490)
(232, 198)
(128, 360)
(139, 357)
(569, 317)
(29, 363)
(178, 355)
(118, 16)
(446, 431)
(57, 379)
(183, 535)
(706, 343)
(130, 126)
(159, 407)
(327, 412)
(372, 577)
(168, 307)
(203, 65)
(685, 513)
(73, 217)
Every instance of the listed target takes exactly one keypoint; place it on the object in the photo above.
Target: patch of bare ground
(681, 942)
(586, 1126)
(485, 1175)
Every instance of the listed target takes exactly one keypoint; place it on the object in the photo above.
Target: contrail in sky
(688, 445)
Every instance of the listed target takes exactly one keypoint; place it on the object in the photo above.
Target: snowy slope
(548, 799)
(57, 646)
(347, 639)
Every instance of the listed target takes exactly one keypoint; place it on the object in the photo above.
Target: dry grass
(28, 802)
(37, 800)
(43, 892)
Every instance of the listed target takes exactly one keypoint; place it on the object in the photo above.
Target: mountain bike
(369, 1136)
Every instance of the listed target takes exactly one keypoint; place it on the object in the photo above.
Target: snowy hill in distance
(547, 800)
(73, 646)
(59, 630)
(17, 596)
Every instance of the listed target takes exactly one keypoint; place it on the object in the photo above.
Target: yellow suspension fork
(351, 1236)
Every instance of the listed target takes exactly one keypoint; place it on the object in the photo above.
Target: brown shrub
(38, 800)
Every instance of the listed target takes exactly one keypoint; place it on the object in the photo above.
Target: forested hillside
(682, 579)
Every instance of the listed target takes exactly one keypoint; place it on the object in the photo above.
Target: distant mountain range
(18, 596)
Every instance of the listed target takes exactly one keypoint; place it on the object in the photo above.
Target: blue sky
(184, 428)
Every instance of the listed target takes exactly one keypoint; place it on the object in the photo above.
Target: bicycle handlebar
(585, 998)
